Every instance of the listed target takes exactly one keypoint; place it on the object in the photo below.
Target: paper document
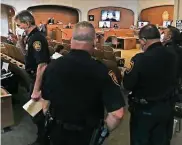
(5, 66)
(33, 107)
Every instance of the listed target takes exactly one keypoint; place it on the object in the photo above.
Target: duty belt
(70, 126)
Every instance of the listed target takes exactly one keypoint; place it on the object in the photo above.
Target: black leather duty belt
(69, 126)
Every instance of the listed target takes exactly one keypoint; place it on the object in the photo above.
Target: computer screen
(108, 15)
(104, 24)
(141, 24)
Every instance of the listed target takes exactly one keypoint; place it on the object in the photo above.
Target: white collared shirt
(56, 55)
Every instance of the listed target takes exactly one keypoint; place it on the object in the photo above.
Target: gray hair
(84, 31)
(25, 17)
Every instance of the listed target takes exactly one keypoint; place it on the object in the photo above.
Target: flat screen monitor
(142, 24)
(104, 24)
(109, 15)
(166, 23)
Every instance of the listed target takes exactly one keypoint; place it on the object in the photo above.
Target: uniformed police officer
(79, 87)
(151, 78)
(36, 59)
(171, 41)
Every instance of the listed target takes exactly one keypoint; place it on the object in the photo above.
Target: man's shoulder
(138, 56)
(38, 36)
(55, 64)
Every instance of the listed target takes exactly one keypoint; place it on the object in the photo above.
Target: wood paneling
(154, 14)
(60, 13)
(126, 16)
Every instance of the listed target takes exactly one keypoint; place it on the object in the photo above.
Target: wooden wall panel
(126, 16)
(154, 14)
(60, 13)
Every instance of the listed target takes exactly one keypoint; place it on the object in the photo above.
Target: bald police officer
(79, 88)
(36, 59)
(151, 79)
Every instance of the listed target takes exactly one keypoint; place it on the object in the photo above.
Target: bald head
(84, 31)
(83, 37)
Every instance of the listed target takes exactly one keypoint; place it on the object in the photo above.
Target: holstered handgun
(49, 122)
(131, 103)
(99, 135)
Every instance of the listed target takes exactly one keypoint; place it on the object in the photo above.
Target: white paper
(5, 66)
(33, 107)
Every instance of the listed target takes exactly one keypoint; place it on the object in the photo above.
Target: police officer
(36, 59)
(151, 78)
(171, 41)
(79, 87)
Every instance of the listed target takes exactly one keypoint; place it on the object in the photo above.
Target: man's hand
(36, 95)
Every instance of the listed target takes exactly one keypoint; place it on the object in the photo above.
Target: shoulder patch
(129, 69)
(37, 45)
(113, 77)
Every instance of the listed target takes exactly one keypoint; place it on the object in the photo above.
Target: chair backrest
(67, 41)
(108, 48)
(98, 54)
(66, 46)
(3, 39)
(51, 50)
(112, 65)
(18, 69)
(109, 55)
(14, 52)
(64, 52)
(99, 46)
(117, 53)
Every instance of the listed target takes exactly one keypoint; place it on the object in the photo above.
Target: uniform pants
(170, 125)
(60, 136)
(148, 124)
(38, 120)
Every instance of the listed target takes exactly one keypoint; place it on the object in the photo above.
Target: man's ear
(169, 37)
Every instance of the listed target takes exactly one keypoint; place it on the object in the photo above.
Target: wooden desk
(7, 118)
(129, 42)
(123, 42)
(57, 32)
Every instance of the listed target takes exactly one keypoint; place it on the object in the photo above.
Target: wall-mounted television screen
(108, 15)
(104, 24)
(166, 23)
(142, 24)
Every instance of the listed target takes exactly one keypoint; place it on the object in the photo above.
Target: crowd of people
(85, 97)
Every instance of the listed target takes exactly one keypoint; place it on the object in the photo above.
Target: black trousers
(38, 120)
(60, 136)
(148, 124)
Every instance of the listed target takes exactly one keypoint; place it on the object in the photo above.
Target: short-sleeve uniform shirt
(36, 50)
(79, 87)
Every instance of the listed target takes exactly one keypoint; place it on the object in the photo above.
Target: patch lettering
(113, 77)
(129, 69)
(26, 47)
(37, 45)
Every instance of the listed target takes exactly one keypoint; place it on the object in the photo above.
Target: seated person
(58, 51)
(68, 26)
(59, 22)
(104, 25)
(115, 26)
